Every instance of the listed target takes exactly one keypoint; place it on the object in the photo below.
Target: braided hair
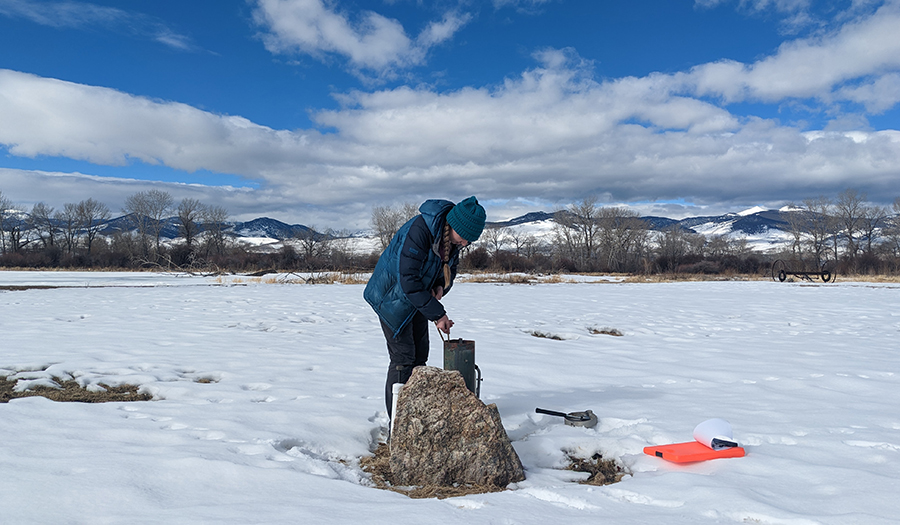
(445, 253)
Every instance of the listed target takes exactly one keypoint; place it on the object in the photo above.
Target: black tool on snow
(585, 419)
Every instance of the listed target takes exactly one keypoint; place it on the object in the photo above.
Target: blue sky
(313, 111)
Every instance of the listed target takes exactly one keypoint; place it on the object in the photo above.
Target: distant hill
(271, 228)
(750, 224)
(261, 227)
(762, 229)
(534, 216)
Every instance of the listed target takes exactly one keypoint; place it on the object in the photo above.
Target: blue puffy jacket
(410, 268)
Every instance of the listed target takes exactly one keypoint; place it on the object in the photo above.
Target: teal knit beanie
(467, 219)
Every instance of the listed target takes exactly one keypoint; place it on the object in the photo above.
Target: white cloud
(81, 15)
(811, 67)
(877, 96)
(781, 6)
(797, 16)
(439, 32)
(368, 41)
(51, 117)
(549, 135)
(63, 14)
(28, 187)
(522, 5)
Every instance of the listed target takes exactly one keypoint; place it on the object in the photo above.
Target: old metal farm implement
(781, 271)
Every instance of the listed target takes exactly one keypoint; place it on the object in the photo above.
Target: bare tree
(622, 237)
(820, 227)
(313, 247)
(673, 245)
(339, 251)
(872, 220)
(189, 213)
(138, 210)
(148, 210)
(386, 220)
(408, 210)
(518, 238)
(740, 247)
(42, 220)
(796, 219)
(67, 221)
(494, 239)
(5, 207)
(13, 224)
(718, 245)
(525, 244)
(576, 232)
(892, 231)
(565, 241)
(849, 211)
(91, 215)
(160, 207)
(215, 224)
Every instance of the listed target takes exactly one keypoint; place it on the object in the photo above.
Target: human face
(456, 239)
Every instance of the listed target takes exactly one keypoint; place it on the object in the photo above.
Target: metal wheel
(779, 271)
(829, 271)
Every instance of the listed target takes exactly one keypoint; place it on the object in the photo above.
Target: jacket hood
(434, 212)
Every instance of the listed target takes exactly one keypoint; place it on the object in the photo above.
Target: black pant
(408, 350)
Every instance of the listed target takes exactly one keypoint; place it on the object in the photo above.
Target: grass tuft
(602, 471)
(545, 335)
(71, 391)
(605, 331)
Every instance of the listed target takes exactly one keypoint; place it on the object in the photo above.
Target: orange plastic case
(692, 451)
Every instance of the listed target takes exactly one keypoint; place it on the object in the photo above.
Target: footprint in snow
(256, 387)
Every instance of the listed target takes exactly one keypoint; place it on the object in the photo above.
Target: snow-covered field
(807, 375)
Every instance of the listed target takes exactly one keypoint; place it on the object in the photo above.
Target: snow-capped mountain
(761, 228)
(271, 228)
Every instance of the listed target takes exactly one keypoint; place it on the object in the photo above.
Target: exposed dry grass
(294, 278)
(663, 278)
(602, 471)
(557, 279)
(504, 278)
(870, 278)
(523, 278)
(353, 278)
(692, 277)
(379, 468)
(545, 335)
(605, 331)
(71, 391)
(609, 278)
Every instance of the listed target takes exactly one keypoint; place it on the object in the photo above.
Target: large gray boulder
(444, 435)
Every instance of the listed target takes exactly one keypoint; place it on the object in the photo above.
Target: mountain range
(754, 221)
(261, 227)
(750, 223)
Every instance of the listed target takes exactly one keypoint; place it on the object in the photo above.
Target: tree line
(858, 237)
(844, 232)
(79, 235)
